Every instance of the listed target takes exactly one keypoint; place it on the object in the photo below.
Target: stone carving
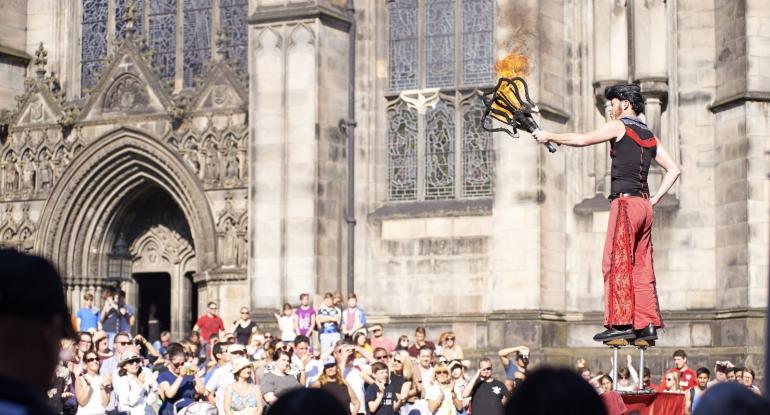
(191, 157)
(125, 94)
(46, 173)
(212, 163)
(17, 235)
(159, 248)
(28, 177)
(36, 111)
(11, 177)
(219, 95)
(232, 165)
(231, 239)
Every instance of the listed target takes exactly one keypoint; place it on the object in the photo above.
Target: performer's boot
(616, 333)
(647, 333)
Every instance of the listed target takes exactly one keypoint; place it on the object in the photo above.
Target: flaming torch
(509, 101)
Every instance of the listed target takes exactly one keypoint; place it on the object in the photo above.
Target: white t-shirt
(286, 324)
(433, 392)
(133, 397)
(219, 380)
(356, 381)
(94, 405)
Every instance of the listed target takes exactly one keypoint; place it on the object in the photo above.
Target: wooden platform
(635, 343)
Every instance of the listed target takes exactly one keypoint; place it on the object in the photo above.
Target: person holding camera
(180, 383)
(515, 368)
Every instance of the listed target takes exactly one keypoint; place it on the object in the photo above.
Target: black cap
(31, 288)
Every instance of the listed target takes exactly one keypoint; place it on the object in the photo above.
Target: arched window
(158, 21)
(441, 53)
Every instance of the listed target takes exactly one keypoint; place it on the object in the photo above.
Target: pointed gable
(41, 104)
(222, 91)
(128, 86)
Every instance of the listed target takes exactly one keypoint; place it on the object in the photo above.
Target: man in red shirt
(379, 340)
(209, 323)
(687, 377)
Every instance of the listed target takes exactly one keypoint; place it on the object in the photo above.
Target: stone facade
(248, 171)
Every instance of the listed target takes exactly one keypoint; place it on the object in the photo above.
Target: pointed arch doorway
(129, 184)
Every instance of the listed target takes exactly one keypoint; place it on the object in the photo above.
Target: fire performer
(631, 309)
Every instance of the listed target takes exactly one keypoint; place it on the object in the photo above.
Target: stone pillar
(297, 96)
(740, 182)
(180, 307)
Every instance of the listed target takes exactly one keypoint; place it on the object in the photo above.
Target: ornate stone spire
(223, 44)
(41, 60)
(128, 19)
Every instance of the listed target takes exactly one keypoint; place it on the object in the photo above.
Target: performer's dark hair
(680, 353)
(627, 92)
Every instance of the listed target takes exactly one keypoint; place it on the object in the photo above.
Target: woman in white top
(134, 387)
(441, 395)
(91, 390)
(286, 323)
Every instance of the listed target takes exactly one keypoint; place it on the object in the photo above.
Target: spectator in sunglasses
(441, 395)
(451, 350)
(243, 328)
(488, 395)
(92, 389)
(379, 340)
(401, 378)
(179, 384)
(135, 387)
(516, 367)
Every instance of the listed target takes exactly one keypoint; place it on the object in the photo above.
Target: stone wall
(13, 59)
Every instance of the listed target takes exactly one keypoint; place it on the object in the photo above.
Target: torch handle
(551, 148)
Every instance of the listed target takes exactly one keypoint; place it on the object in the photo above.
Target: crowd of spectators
(241, 369)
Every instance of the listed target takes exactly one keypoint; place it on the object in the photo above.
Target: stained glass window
(232, 17)
(162, 36)
(403, 44)
(477, 152)
(120, 17)
(93, 43)
(478, 41)
(197, 39)
(450, 45)
(402, 149)
(439, 152)
(439, 43)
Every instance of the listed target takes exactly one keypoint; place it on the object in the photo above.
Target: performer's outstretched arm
(672, 173)
(608, 131)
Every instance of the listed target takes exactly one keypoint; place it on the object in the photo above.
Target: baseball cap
(32, 289)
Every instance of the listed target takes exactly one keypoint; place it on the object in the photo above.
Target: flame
(511, 66)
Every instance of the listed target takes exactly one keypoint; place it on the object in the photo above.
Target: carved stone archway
(81, 219)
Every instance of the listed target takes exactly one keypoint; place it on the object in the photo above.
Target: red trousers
(630, 297)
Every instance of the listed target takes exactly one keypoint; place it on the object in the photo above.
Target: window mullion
(421, 140)
(111, 15)
(421, 44)
(459, 140)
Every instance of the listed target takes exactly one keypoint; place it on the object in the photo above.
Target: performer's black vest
(631, 157)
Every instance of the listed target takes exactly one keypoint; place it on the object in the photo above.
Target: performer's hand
(654, 200)
(541, 136)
